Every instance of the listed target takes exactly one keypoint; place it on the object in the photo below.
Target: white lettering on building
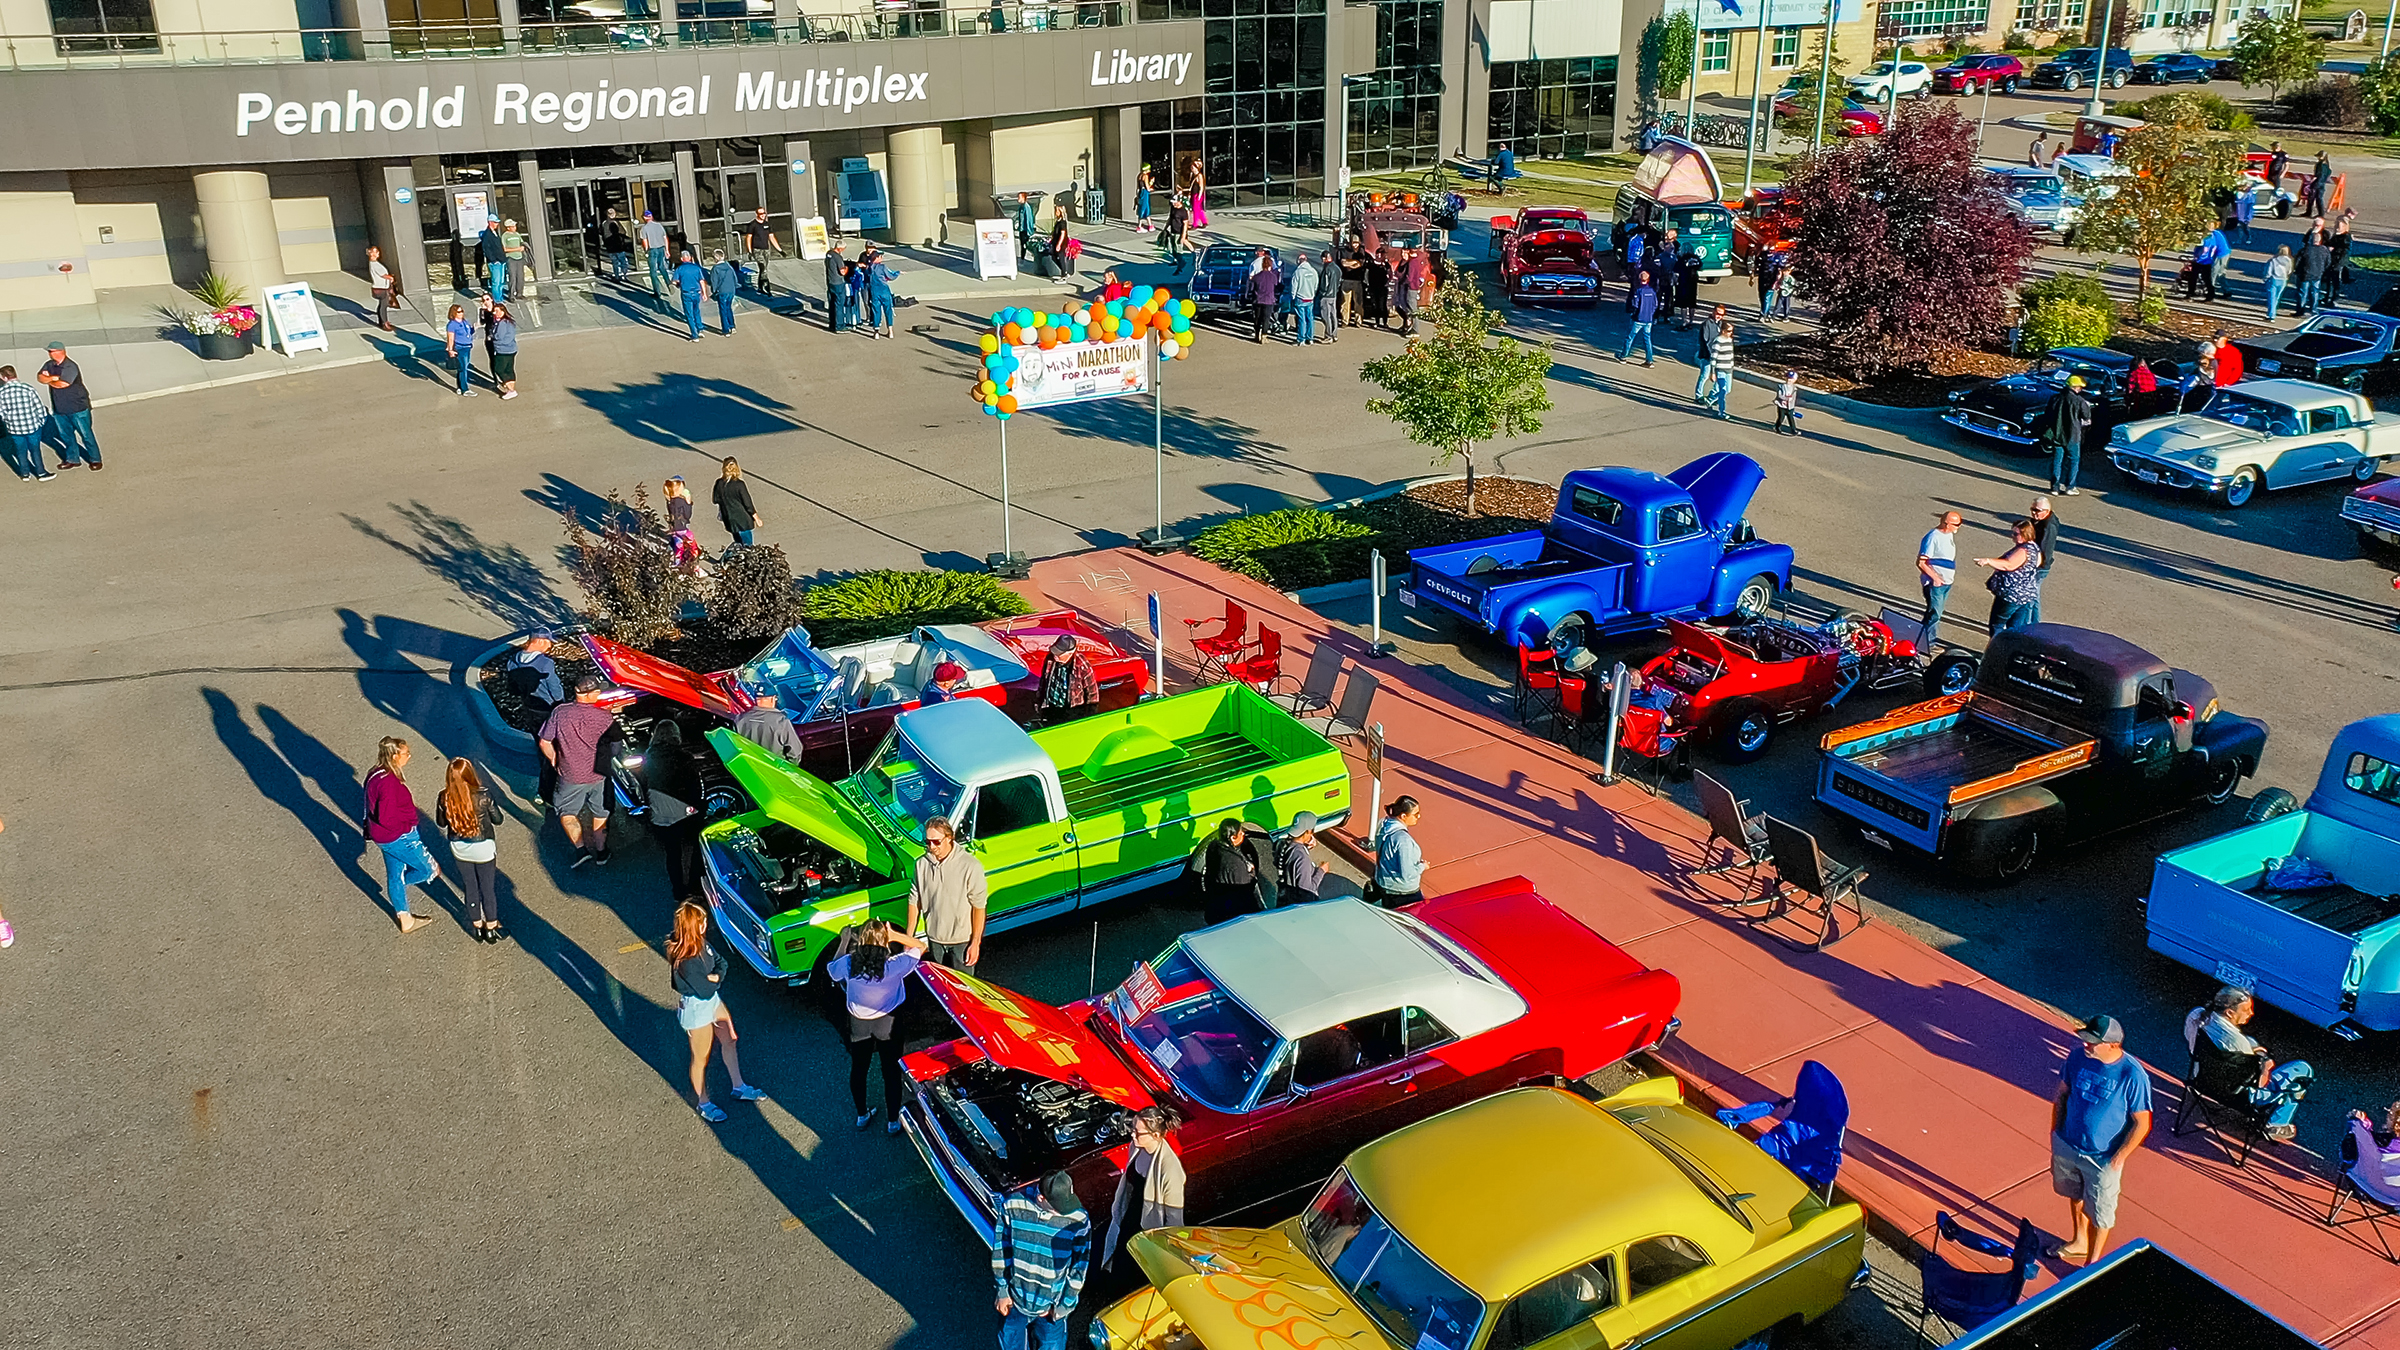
(354, 114)
(1124, 67)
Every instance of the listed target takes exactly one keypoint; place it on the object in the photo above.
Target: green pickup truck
(1070, 816)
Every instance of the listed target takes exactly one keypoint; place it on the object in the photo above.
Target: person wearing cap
(766, 724)
(570, 741)
(532, 675)
(22, 418)
(654, 246)
(70, 408)
(1069, 689)
(944, 684)
(758, 242)
(2099, 1116)
(1299, 877)
(2063, 423)
(512, 244)
(494, 256)
(691, 287)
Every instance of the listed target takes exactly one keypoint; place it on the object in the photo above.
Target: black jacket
(732, 496)
(2068, 414)
(615, 238)
(2315, 261)
(2045, 538)
(489, 245)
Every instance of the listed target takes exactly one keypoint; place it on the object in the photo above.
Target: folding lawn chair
(1730, 823)
(1316, 685)
(1217, 649)
(1349, 719)
(1827, 887)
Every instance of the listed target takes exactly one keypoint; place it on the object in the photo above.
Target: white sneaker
(509, 395)
(8, 934)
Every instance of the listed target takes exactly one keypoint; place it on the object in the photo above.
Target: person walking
(1069, 687)
(1404, 291)
(2016, 581)
(1141, 201)
(2045, 542)
(382, 286)
(724, 282)
(681, 544)
(880, 276)
(570, 740)
(1299, 877)
(2320, 183)
(458, 339)
(1329, 292)
(389, 822)
(617, 242)
(1787, 405)
(467, 818)
(1645, 314)
(1418, 288)
(2337, 261)
(22, 418)
(1937, 568)
(2316, 258)
(1765, 271)
(837, 290)
(698, 973)
(1262, 282)
(2279, 166)
(871, 967)
(734, 507)
(70, 408)
(8, 931)
(500, 337)
(948, 897)
(2208, 264)
(2245, 209)
(2063, 423)
(1041, 1253)
(1304, 301)
(766, 725)
(1171, 239)
(512, 246)
(2098, 1117)
(2034, 153)
(1353, 301)
(691, 283)
(1720, 369)
(759, 247)
(493, 254)
(2279, 275)
(1199, 190)
(1150, 1191)
(654, 248)
(2278, 1088)
(1378, 271)
(1022, 216)
(676, 795)
(1399, 863)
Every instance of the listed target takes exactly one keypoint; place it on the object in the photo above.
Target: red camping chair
(1260, 672)
(1537, 684)
(1217, 649)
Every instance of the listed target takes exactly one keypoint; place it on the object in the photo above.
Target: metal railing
(486, 37)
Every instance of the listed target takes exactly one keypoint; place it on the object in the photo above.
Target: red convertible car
(1549, 257)
(1731, 687)
(1284, 1039)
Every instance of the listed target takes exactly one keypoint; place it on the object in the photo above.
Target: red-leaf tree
(1904, 244)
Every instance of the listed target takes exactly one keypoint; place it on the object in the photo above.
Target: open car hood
(803, 801)
(1017, 1033)
(1249, 1289)
(1721, 485)
(623, 665)
(1699, 642)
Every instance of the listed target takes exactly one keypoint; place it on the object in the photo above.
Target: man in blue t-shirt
(2099, 1117)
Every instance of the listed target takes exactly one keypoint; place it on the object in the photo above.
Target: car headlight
(1957, 394)
(2118, 437)
(2208, 462)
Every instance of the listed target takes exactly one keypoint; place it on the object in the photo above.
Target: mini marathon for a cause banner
(1073, 372)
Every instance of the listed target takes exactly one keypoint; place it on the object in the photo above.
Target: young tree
(1666, 57)
(631, 584)
(2175, 165)
(2277, 52)
(1800, 116)
(1458, 387)
(2379, 90)
(1903, 243)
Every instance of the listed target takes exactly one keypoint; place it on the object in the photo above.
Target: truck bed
(1959, 747)
(1209, 759)
(1963, 752)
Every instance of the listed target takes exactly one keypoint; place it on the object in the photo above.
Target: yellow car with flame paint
(1534, 1220)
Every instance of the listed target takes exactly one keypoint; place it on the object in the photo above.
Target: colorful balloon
(1186, 308)
(990, 342)
(1008, 403)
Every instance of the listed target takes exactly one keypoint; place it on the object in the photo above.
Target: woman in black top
(675, 794)
(1234, 878)
(699, 973)
(466, 815)
(734, 507)
(1379, 289)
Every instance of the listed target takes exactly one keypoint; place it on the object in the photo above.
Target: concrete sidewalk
(1949, 1074)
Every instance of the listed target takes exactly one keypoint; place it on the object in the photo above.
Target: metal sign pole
(1756, 131)
(1375, 781)
(1816, 139)
(1158, 650)
(1375, 576)
(1158, 433)
(1617, 701)
(1691, 92)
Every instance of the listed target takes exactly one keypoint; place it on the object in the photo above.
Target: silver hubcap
(1754, 599)
(1751, 734)
(2238, 491)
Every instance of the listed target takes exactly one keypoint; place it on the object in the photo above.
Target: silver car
(2039, 198)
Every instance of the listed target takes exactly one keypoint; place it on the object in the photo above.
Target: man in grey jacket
(1304, 300)
(767, 725)
(947, 897)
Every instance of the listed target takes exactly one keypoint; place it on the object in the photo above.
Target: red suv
(1991, 71)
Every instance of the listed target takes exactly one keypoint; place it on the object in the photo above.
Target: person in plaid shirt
(1043, 1251)
(1069, 687)
(22, 418)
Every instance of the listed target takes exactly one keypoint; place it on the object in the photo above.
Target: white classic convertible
(2259, 433)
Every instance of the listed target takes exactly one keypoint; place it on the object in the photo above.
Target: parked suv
(1912, 79)
(1992, 70)
(2175, 68)
(2074, 69)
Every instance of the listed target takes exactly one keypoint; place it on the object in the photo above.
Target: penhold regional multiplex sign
(322, 110)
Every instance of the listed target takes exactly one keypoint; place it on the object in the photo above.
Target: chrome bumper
(940, 1158)
(2162, 474)
(1988, 427)
(740, 928)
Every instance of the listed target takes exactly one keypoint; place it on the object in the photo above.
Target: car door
(2149, 741)
(1027, 849)
(1325, 1094)
(2332, 450)
(1576, 1309)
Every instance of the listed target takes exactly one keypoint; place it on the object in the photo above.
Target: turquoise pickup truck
(1062, 818)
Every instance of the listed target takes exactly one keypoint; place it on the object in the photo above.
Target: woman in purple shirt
(458, 340)
(390, 824)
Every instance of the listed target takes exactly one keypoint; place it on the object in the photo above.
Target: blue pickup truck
(1625, 551)
(2302, 907)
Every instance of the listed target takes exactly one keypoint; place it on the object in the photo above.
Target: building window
(1785, 53)
(1555, 109)
(1716, 51)
(1395, 121)
(1258, 129)
(1934, 18)
(103, 26)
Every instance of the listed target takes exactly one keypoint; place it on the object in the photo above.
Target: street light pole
(1758, 85)
(1691, 91)
(2108, 24)
(1816, 140)
(2388, 16)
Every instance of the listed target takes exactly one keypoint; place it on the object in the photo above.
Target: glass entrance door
(576, 208)
(728, 197)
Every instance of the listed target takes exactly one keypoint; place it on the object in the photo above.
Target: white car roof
(1304, 968)
(2092, 166)
(2298, 393)
(971, 741)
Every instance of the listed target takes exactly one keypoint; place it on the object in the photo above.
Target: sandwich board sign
(292, 320)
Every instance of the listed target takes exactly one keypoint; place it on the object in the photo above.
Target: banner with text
(1073, 372)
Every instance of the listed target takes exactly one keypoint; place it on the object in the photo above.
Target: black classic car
(2175, 68)
(2342, 348)
(2007, 412)
(1220, 279)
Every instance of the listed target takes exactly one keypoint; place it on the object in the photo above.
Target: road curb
(496, 729)
(251, 377)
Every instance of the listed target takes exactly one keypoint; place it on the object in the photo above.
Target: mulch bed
(700, 648)
(1493, 497)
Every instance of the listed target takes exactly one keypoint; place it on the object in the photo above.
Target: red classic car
(1549, 257)
(1284, 1039)
(1731, 687)
(848, 694)
(1762, 223)
(2374, 511)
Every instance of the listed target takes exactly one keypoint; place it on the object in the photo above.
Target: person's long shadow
(560, 497)
(640, 315)
(423, 700)
(413, 357)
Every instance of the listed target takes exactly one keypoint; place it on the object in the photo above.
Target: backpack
(522, 678)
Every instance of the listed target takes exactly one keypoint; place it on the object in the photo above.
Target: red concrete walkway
(1949, 1074)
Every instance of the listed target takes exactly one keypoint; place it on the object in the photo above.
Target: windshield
(1880, 68)
(2032, 191)
(2055, 370)
(2241, 410)
(1211, 1046)
(1703, 222)
(908, 790)
(2341, 327)
(1414, 1302)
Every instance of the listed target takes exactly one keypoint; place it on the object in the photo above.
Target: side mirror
(2181, 711)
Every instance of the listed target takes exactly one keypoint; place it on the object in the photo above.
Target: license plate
(2229, 973)
(1408, 598)
(2146, 475)
(1876, 838)
(2270, 365)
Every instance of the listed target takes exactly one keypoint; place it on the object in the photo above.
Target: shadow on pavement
(498, 578)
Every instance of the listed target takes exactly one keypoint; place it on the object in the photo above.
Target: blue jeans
(2066, 461)
(405, 864)
(742, 537)
(2308, 296)
(1937, 599)
(1700, 386)
(2285, 1087)
(1724, 390)
(658, 270)
(498, 275)
(2006, 616)
(1046, 1333)
(2033, 612)
(466, 364)
(1642, 331)
(2274, 297)
(25, 454)
(72, 429)
(725, 311)
(1304, 317)
(691, 313)
(882, 311)
(621, 264)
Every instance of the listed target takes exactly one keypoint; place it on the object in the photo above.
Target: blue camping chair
(1966, 1299)
(1809, 1138)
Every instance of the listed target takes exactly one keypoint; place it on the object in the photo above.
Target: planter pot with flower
(222, 331)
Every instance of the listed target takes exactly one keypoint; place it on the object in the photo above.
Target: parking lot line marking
(631, 947)
(790, 1223)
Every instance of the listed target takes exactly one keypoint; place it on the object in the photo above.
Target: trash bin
(1095, 205)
